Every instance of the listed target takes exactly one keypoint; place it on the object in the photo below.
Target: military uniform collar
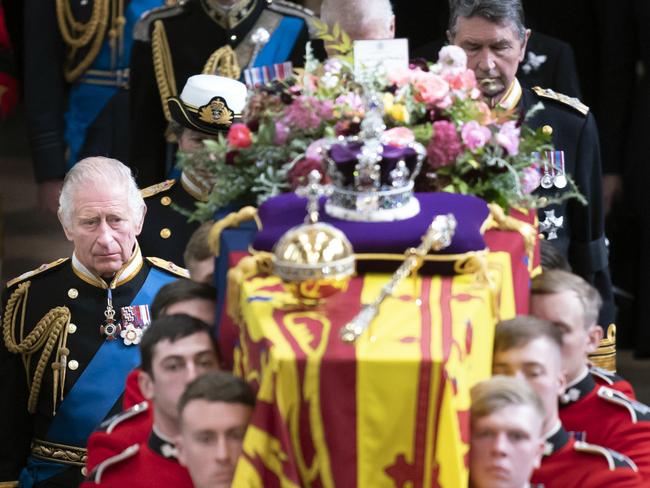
(578, 389)
(229, 18)
(512, 96)
(161, 445)
(130, 269)
(556, 439)
(192, 185)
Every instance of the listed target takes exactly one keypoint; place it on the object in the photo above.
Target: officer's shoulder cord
(51, 328)
(163, 66)
(223, 62)
(77, 35)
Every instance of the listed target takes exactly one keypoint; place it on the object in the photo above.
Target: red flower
(298, 174)
(239, 136)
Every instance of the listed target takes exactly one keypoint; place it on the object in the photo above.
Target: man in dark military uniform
(71, 328)
(76, 81)
(166, 230)
(493, 35)
(201, 36)
(179, 340)
(530, 348)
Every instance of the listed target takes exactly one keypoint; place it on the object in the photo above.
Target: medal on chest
(111, 328)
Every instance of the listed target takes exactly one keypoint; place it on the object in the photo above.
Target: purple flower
(307, 113)
(316, 150)
(475, 135)
(445, 146)
(508, 137)
(530, 179)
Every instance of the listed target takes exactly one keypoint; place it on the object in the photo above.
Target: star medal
(110, 328)
(547, 179)
(559, 180)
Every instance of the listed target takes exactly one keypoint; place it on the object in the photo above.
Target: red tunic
(151, 463)
(605, 416)
(132, 426)
(568, 463)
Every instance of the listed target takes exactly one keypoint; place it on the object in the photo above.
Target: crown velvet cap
(384, 243)
(209, 103)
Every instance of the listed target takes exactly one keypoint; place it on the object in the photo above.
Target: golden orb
(315, 261)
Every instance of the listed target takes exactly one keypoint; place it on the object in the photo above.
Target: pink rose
(281, 134)
(316, 150)
(398, 136)
(474, 135)
(508, 137)
(429, 87)
(239, 136)
(401, 76)
(444, 146)
(461, 80)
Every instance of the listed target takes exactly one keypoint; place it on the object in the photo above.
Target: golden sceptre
(438, 236)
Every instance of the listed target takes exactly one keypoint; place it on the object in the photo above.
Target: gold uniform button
(73, 365)
(165, 201)
(72, 328)
(547, 130)
(165, 233)
(73, 293)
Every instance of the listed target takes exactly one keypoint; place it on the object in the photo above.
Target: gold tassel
(231, 220)
(163, 66)
(223, 62)
(605, 356)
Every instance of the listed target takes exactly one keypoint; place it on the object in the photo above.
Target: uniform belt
(118, 78)
(59, 453)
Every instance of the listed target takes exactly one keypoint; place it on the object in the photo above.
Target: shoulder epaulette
(34, 272)
(96, 475)
(169, 266)
(157, 188)
(614, 459)
(109, 424)
(565, 99)
(607, 376)
(142, 29)
(290, 8)
(638, 411)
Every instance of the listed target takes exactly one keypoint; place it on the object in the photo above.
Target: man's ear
(145, 383)
(141, 223)
(391, 27)
(67, 233)
(594, 336)
(539, 453)
(180, 451)
(448, 34)
(522, 54)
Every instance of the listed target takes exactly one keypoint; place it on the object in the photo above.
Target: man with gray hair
(362, 19)
(494, 37)
(71, 328)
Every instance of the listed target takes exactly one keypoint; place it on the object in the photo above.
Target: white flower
(131, 335)
(452, 58)
(330, 80)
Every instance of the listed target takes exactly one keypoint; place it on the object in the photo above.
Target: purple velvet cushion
(279, 214)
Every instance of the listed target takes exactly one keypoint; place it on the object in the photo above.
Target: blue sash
(95, 392)
(86, 101)
(281, 43)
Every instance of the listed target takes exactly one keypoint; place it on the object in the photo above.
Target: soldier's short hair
(169, 328)
(498, 392)
(180, 291)
(560, 281)
(522, 330)
(217, 386)
(551, 257)
(197, 248)
(100, 171)
(495, 11)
